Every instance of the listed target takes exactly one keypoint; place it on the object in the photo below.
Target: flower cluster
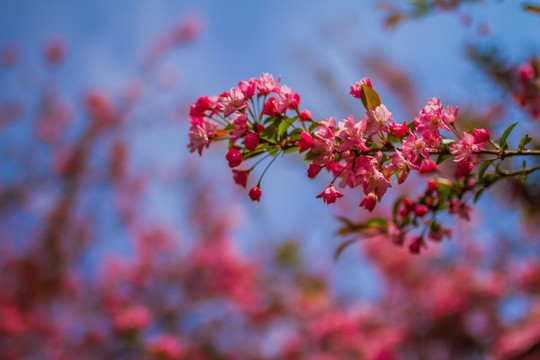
(260, 118)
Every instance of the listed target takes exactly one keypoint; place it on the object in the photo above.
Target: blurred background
(116, 242)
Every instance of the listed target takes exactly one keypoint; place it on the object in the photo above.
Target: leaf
(229, 127)
(291, 149)
(482, 169)
(273, 151)
(395, 208)
(369, 97)
(283, 126)
(310, 155)
(269, 134)
(250, 154)
(376, 222)
(505, 134)
(351, 227)
(295, 133)
(489, 179)
(526, 139)
(342, 247)
(532, 8)
(478, 194)
(442, 157)
(313, 126)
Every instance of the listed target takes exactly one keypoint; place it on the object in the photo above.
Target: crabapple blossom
(465, 147)
(356, 89)
(240, 177)
(255, 193)
(234, 157)
(369, 201)
(352, 134)
(377, 120)
(330, 194)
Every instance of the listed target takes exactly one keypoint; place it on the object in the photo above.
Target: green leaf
(478, 194)
(313, 126)
(295, 133)
(310, 155)
(445, 189)
(269, 119)
(489, 179)
(273, 151)
(291, 149)
(342, 247)
(229, 127)
(395, 208)
(258, 151)
(376, 222)
(283, 126)
(369, 97)
(442, 157)
(482, 169)
(526, 139)
(269, 134)
(505, 134)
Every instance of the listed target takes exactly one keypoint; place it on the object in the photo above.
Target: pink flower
(437, 232)
(449, 114)
(464, 168)
(399, 163)
(240, 177)
(232, 101)
(377, 119)
(305, 115)
(287, 100)
(480, 136)
(132, 318)
(234, 157)
(323, 144)
(167, 347)
(420, 210)
(248, 87)
(464, 148)
(240, 125)
(369, 201)
(200, 136)
(352, 134)
(428, 167)
(460, 208)
(396, 235)
(251, 141)
(255, 193)
(417, 244)
(305, 142)
(398, 130)
(415, 148)
(356, 89)
(330, 194)
(313, 170)
(430, 117)
(267, 85)
(55, 52)
(200, 106)
(377, 182)
(270, 107)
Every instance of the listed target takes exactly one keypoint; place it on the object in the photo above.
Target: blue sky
(242, 39)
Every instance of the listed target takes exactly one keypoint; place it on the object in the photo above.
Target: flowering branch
(259, 117)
